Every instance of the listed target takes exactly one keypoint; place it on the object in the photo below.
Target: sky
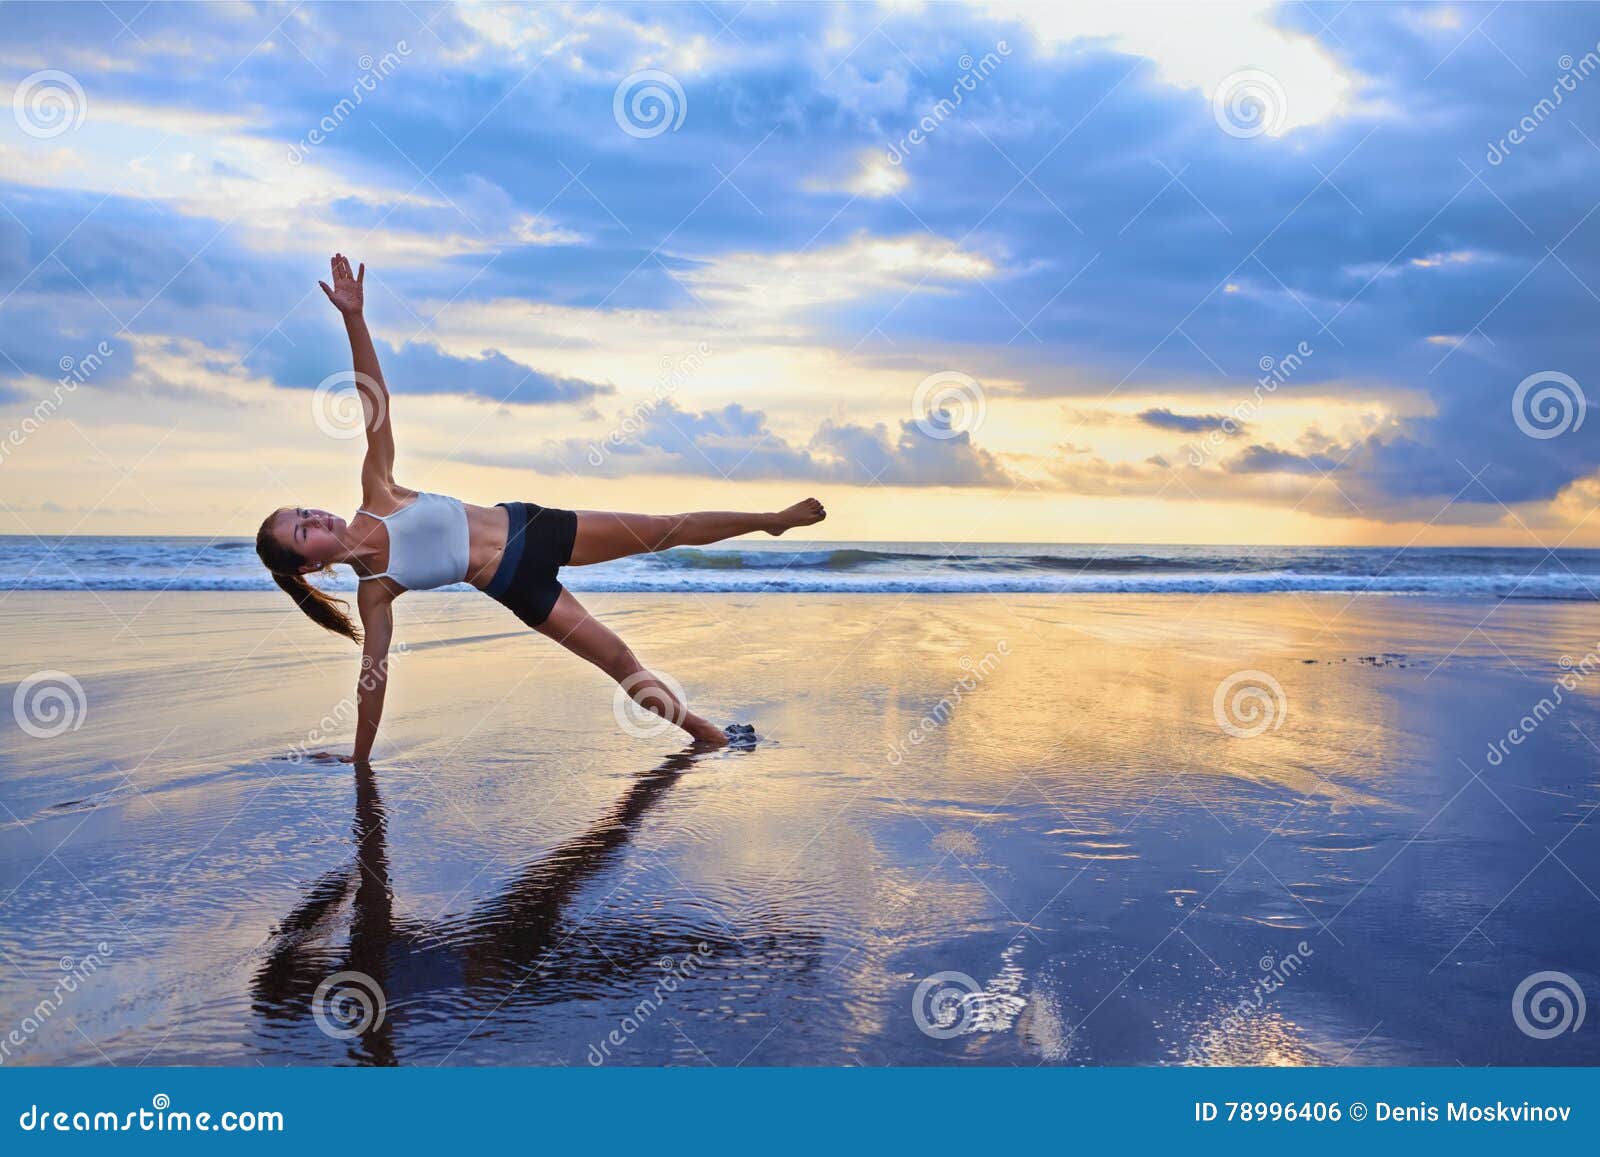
(1218, 273)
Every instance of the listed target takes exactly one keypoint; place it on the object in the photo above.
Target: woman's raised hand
(346, 292)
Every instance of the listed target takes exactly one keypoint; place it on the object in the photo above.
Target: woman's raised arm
(347, 295)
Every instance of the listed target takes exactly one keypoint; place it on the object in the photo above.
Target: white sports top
(429, 544)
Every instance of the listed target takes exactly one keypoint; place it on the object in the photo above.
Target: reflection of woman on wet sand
(484, 957)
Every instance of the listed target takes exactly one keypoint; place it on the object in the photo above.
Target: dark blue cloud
(1271, 460)
(1162, 418)
(302, 352)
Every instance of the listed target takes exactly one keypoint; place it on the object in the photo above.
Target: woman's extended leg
(604, 535)
(588, 638)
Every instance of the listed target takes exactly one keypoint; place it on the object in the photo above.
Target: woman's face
(312, 534)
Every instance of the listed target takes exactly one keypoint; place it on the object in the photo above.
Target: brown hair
(320, 607)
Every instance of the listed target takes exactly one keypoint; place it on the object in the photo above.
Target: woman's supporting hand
(346, 292)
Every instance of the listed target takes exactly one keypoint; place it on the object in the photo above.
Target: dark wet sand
(1073, 831)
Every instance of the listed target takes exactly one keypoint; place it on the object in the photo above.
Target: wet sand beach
(1009, 830)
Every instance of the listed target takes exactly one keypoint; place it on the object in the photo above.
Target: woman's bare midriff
(487, 527)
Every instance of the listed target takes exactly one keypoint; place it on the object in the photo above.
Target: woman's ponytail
(319, 606)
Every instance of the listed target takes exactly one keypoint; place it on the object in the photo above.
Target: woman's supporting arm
(377, 621)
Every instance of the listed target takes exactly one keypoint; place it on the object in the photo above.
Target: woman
(403, 539)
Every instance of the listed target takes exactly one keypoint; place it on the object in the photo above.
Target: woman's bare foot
(807, 512)
(705, 733)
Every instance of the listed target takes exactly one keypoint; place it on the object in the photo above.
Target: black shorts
(538, 541)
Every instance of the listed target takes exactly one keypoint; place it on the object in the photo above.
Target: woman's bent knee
(619, 662)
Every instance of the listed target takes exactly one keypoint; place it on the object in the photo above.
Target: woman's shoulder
(386, 499)
(372, 596)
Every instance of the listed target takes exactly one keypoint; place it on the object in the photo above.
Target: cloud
(872, 175)
(1163, 418)
(776, 284)
(1201, 48)
(1080, 226)
(1271, 460)
(304, 355)
(737, 443)
(926, 454)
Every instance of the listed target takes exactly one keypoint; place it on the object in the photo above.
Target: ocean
(184, 563)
